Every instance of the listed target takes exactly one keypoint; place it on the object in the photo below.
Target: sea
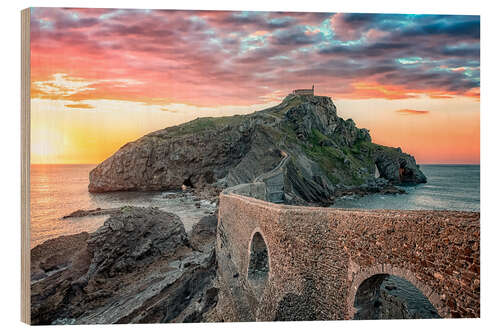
(60, 189)
(448, 187)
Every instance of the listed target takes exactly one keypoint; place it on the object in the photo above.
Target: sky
(103, 77)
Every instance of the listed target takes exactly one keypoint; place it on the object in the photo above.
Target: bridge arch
(259, 266)
(373, 276)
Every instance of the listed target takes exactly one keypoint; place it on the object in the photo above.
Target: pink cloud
(343, 31)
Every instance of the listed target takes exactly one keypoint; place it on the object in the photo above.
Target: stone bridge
(279, 262)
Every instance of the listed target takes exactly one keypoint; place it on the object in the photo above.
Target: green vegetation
(202, 124)
(391, 151)
(196, 126)
(292, 102)
(289, 134)
(340, 165)
(126, 209)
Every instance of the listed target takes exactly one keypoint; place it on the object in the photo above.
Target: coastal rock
(323, 151)
(378, 185)
(91, 212)
(137, 267)
(203, 233)
(384, 306)
(133, 238)
(398, 167)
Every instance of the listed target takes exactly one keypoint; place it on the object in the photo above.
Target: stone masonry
(318, 257)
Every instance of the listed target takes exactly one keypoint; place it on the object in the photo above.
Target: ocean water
(58, 190)
(448, 187)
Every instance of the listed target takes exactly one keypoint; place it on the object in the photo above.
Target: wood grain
(25, 166)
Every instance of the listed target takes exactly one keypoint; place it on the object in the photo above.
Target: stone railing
(255, 190)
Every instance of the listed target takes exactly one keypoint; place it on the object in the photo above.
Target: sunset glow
(104, 77)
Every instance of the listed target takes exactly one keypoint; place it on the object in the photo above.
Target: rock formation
(326, 153)
(203, 233)
(138, 267)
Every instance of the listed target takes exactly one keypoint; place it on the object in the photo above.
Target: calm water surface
(58, 190)
(448, 187)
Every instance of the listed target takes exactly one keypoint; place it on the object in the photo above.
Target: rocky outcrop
(203, 233)
(325, 153)
(91, 212)
(138, 267)
(397, 167)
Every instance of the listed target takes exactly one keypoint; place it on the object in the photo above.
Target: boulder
(203, 234)
(137, 267)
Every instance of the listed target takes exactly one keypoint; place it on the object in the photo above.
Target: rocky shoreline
(140, 266)
(91, 212)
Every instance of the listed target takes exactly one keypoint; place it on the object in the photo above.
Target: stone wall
(254, 190)
(318, 257)
(304, 92)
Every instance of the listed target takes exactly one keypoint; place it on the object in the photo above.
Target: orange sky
(433, 130)
(101, 78)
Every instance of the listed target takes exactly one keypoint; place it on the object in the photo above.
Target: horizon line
(434, 163)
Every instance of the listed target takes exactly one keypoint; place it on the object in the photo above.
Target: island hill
(326, 156)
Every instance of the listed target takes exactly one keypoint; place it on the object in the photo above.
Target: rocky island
(326, 156)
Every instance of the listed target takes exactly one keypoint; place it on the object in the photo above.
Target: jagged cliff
(326, 154)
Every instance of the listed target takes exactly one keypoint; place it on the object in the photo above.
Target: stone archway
(258, 263)
(367, 280)
(384, 296)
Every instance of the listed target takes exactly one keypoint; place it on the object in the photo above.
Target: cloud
(60, 85)
(411, 112)
(80, 106)
(467, 27)
(210, 58)
(296, 36)
(168, 110)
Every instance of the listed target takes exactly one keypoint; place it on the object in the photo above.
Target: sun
(46, 144)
